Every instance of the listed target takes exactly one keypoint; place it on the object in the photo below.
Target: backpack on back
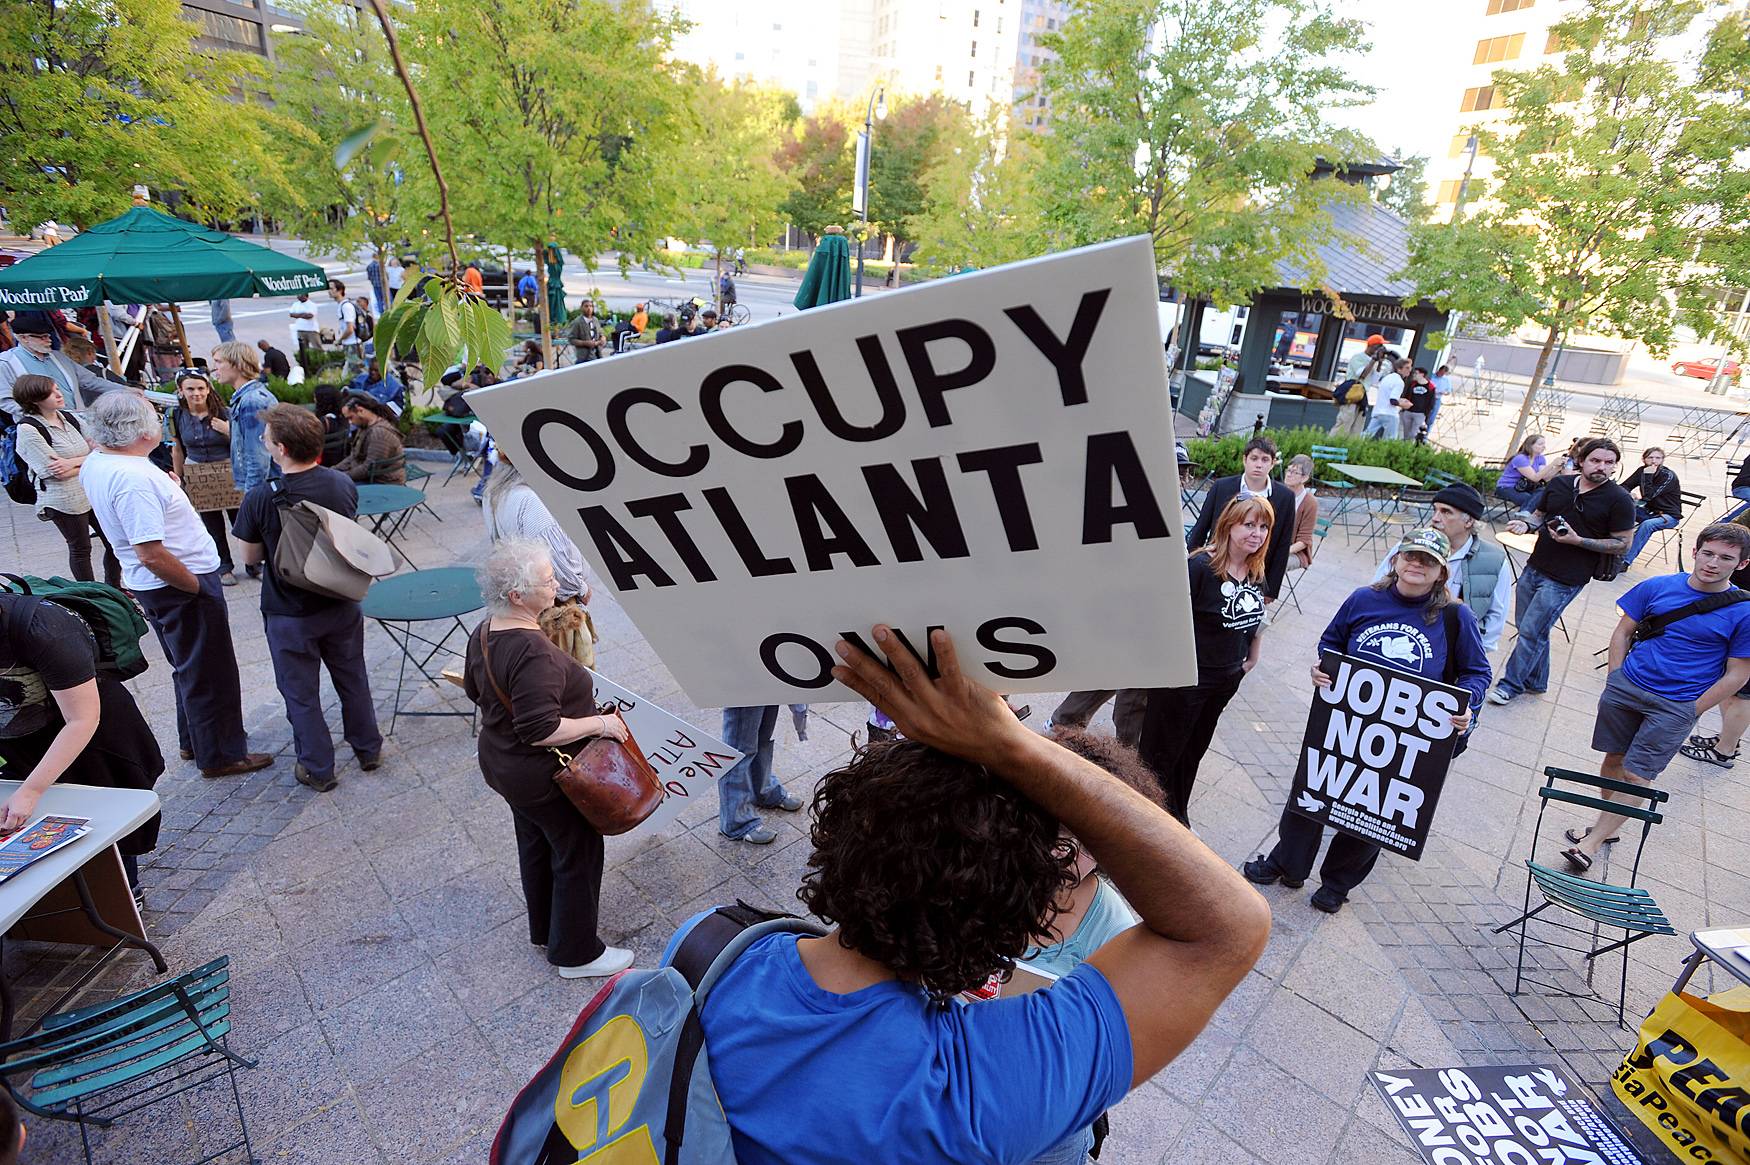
(631, 1083)
(325, 552)
(366, 326)
(115, 622)
(14, 473)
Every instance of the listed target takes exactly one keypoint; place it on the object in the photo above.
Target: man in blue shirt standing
(1681, 647)
(937, 860)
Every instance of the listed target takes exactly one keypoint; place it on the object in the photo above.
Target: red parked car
(1704, 369)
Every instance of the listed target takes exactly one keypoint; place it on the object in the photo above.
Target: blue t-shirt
(1690, 657)
(809, 1077)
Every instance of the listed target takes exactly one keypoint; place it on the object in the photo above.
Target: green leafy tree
(1198, 123)
(566, 117)
(1406, 193)
(737, 185)
(917, 134)
(1618, 200)
(820, 160)
(337, 83)
(98, 95)
(983, 205)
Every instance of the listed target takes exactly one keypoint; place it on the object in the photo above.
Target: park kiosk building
(1300, 333)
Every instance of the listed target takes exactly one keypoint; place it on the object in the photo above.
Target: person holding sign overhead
(1408, 622)
(1227, 619)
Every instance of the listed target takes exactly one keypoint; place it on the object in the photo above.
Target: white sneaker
(1500, 696)
(610, 962)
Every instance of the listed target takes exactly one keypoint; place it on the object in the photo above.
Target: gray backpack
(325, 552)
(632, 1080)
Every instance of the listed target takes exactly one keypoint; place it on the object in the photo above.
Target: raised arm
(1202, 926)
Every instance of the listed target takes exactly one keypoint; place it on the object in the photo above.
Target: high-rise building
(963, 49)
(817, 53)
(1038, 17)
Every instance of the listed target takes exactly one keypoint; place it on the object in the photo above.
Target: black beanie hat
(1463, 498)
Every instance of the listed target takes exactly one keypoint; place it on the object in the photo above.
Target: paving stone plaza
(385, 983)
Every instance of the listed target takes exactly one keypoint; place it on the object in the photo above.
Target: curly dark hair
(933, 866)
(1113, 755)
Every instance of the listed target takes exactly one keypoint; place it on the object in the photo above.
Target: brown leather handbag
(610, 783)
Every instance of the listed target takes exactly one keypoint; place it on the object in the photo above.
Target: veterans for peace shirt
(1382, 626)
(811, 1077)
(1690, 657)
(1225, 616)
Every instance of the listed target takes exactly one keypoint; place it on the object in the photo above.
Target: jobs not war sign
(1501, 1113)
(687, 761)
(1377, 746)
(991, 454)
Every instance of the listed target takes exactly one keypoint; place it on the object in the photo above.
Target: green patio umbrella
(147, 256)
(828, 278)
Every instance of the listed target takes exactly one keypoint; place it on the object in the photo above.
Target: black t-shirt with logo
(258, 520)
(44, 649)
(1225, 617)
(1597, 513)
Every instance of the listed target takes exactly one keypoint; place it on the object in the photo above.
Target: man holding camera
(1584, 523)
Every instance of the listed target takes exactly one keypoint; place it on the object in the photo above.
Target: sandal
(1708, 753)
(1578, 861)
(1700, 741)
(1579, 835)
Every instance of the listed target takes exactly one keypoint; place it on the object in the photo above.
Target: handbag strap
(486, 662)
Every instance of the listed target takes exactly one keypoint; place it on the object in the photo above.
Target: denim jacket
(249, 460)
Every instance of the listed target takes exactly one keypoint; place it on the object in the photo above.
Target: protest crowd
(957, 852)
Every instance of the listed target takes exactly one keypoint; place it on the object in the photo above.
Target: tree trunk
(887, 250)
(1549, 343)
(510, 286)
(717, 283)
(545, 322)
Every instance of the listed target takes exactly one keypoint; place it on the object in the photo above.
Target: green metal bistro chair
(1337, 488)
(110, 1060)
(1602, 904)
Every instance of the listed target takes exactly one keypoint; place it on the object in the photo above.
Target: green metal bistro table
(425, 596)
(388, 507)
(463, 462)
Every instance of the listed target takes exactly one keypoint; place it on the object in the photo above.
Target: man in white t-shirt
(306, 331)
(171, 565)
(1384, 421)
(346, 318)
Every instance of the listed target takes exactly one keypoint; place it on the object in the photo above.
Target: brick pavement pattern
(384, 980)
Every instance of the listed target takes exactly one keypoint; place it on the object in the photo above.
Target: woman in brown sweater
(534, 700)
(1297, 475)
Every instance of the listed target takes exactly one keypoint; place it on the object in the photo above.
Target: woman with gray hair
(534, 699)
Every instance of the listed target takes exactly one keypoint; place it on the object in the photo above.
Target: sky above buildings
(1413, 51)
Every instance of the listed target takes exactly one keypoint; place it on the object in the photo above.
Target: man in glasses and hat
(36, 354)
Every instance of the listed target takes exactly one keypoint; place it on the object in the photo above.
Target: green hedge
(1221, 455)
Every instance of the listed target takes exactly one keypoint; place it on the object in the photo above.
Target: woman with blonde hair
(1227, 620)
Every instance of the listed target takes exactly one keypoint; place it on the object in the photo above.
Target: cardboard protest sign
(1378, 742)
(687, 761)
(991, 454)
(209, 486)
(1518, 1112)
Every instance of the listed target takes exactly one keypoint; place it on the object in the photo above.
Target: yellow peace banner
(1688, 1078)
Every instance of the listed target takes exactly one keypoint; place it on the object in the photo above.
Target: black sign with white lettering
(1507, 1113)
(1378, 742)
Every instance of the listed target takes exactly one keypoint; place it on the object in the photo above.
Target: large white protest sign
(991, 454)
(687, 761)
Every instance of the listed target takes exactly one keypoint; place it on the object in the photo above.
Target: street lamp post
(876, 111)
